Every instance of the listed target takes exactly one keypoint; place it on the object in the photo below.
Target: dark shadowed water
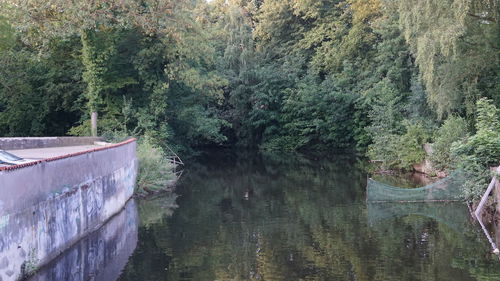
(271, 217)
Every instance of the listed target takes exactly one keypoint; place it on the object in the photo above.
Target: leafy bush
(410, 150)
(155, 171)
(313, 118)
(481, 151)
(453, 129)
(384, 150)
(115, 136)
(400, 151)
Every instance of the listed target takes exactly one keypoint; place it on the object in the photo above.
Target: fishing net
(447, 189)
(453, 214)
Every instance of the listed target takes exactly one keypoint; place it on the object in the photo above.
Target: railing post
(479, 210)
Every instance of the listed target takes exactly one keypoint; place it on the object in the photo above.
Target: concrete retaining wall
(100, 256)
(47, 206)
(26, 143)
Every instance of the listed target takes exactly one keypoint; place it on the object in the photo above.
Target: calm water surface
(271, 217)
(285, 217)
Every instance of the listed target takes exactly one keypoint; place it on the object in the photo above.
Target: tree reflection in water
(251, 216)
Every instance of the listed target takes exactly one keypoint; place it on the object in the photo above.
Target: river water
(248, 216)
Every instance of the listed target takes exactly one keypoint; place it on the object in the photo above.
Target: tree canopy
(366, 75)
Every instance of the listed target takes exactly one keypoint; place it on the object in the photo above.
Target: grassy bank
(156, 172)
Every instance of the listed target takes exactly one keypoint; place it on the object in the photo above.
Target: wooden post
(93, 123)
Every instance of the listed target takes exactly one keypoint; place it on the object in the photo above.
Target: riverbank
(158, 171)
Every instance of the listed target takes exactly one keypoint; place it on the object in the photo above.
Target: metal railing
(176, 161)
(479, 211)
(173, 157)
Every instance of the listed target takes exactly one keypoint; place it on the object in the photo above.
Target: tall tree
(456, 46)
(41, 20)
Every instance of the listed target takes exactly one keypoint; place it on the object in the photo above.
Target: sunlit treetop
(48, 18)
(454, 43)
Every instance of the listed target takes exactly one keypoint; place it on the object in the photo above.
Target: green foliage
(39, 95)
(453, 42)
(318, 117)
(485, 144)
(453, 129)
(155, 171)
(384, 150)
(481, 151)
(410, 150)
(400, 151)
(7, 34)
(99, 58)
(274, 74)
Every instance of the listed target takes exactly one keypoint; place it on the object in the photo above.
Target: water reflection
(285, 217)
(101, 255)
(452, 214)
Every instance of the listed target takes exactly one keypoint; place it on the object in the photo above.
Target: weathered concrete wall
(102, 255)
(48, 206)
(26, 143)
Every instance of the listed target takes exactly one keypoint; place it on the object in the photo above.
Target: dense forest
(381, 78)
